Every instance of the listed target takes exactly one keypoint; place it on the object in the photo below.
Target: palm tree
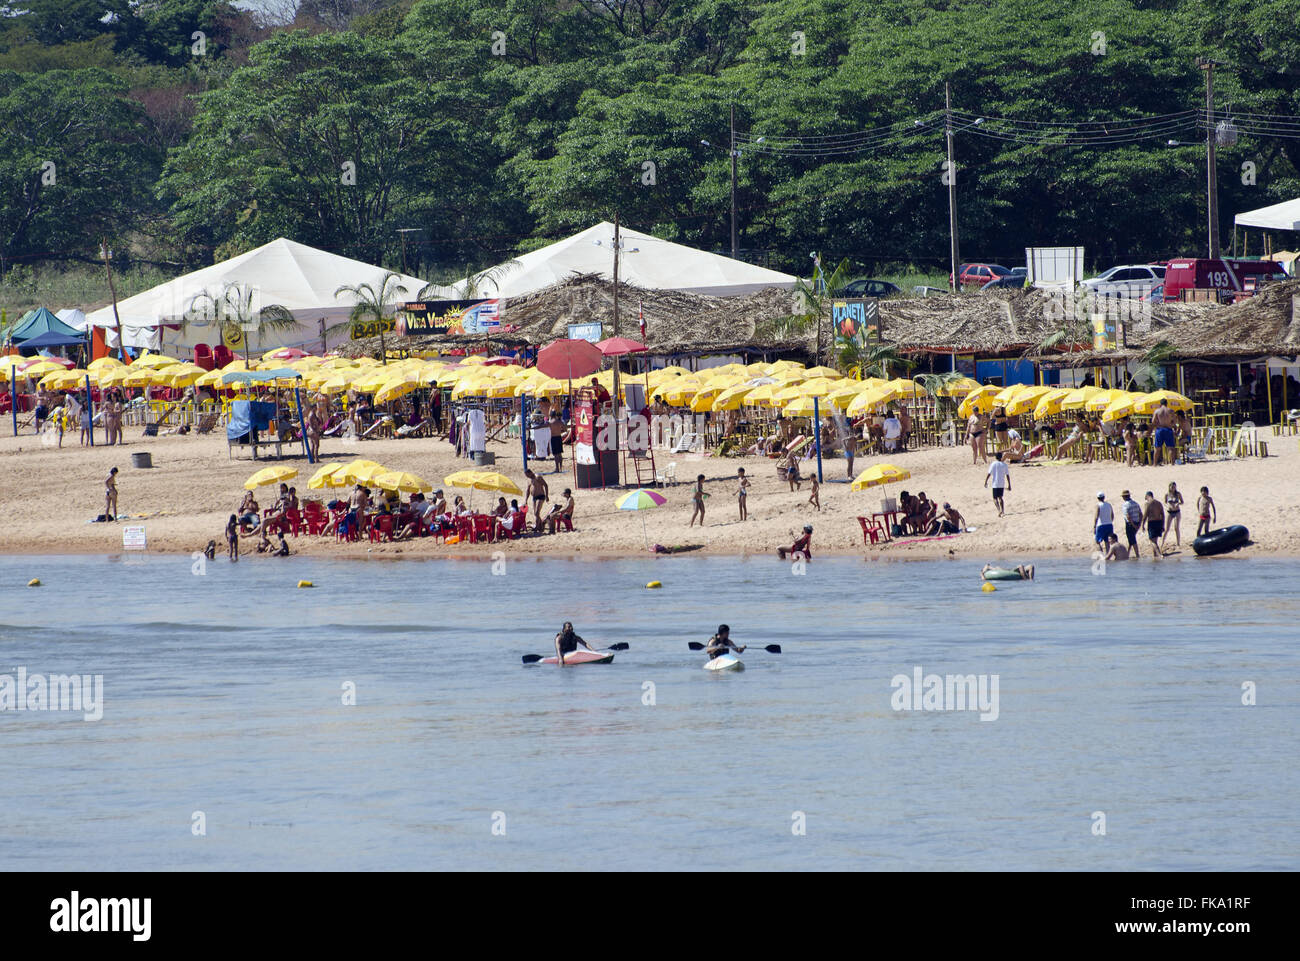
(372, 304)
(1147, 375)
(811, 303)
(861, 360)
(235, 309)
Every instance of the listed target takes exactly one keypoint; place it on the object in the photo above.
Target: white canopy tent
(293, 275)
(73, 318)
(646, 262)
(1283, 216)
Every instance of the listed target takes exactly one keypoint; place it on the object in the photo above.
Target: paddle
(771, 648)
(534, 658)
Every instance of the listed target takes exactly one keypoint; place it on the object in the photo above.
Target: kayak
(1221, 541)
(582, 657)
(725, 662)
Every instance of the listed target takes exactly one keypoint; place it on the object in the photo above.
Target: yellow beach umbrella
(1149, 402)
(1098, 402)
(878, 475)
(238, 365)
(104, 363)
(211, 379)
(39, 369)
(1026, 400)
(979, 401)
(799, 407)
(395, 480)
(830, 372)
(1077, 398)
(482, 481)
(270, 475)
(154, 361)
(338, 363)
(144, 377)
(1007, 394)
(1120, 407)
(366, 473)
(732, 397)
(1049, 404)
(324, 477)
(761, 396)
(394, 389)
(871, 398)
(180, 375)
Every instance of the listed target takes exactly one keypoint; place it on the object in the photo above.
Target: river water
(225, 741)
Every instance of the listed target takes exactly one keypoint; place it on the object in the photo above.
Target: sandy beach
(50, 494)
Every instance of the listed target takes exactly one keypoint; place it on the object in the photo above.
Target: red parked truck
(1231, 278)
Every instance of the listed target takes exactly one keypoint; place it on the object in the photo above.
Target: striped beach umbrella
(641, 500)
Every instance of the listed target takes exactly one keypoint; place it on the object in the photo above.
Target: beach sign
(133, 538)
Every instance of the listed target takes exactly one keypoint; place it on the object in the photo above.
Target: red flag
(640, 313)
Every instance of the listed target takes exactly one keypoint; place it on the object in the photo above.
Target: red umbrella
(621, 345)
(566, 359)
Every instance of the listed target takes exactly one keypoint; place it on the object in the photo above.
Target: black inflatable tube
(1221, 541)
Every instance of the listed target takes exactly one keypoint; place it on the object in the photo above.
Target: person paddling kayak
(566, 642)
(721, 642)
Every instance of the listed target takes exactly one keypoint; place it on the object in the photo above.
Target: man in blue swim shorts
(1163, 422)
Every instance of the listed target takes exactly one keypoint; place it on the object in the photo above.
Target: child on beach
(814, 497)
(792, 471)
(698, 500)
(1205, 508)
(232, 537)
(1130, 443)
(742, 492)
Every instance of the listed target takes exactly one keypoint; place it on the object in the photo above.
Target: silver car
(1131, 280)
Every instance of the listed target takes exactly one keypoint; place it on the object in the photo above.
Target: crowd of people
(1157, 516)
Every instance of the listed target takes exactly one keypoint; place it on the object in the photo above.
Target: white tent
(1283, 216)
(72, 317)
(646, 261)
(293, 275)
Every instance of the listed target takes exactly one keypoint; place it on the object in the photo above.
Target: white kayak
(725, 662)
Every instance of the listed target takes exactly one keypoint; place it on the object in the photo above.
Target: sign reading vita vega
(451, 317)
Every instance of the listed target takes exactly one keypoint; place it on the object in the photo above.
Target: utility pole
(108, 255)
(1211, 174)
(734, 248)
(952, 186)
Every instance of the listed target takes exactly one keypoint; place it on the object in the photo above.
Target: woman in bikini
(1173, 513)
(1000, 427)
(975, 437)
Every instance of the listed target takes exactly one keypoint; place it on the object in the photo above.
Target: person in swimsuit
(720, 643)
(566, 642)
(1204, 508)
(801, 546)
(1132, 522)
(1163, 422)
(1026, 571)
(232, 537)
(814, 496)
(110, 496)
(1173, 512)
(557, 440)
(697, 499)
(975, 437)
(1153, 513)
(1000, 426)
(742, 493)
(538, 493)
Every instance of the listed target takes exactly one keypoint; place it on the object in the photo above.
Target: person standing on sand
(1154, 515)
(814, 494)
(1204, 508)
(697, 498)
(557, 441)
(742, 493)
(975, 437)
(1173, 515)
(850, 450)
(232, 537)
(110, 496)
(538, 493)
(1162, 420)
(1000, 474)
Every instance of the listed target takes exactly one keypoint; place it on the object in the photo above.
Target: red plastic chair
(521, 525)
(313, 517)
(293, 518)
(221, 355)
(484, 528)
(382, 528)
(870, 528)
